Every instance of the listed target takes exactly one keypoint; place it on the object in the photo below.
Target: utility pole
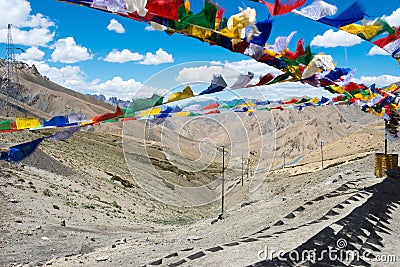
(322, 155)
(149, 130)
(386, 142)
(242, 169)
(223, 180)
(284, 160)
(248, 167)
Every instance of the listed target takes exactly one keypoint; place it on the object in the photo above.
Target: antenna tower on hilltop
(9, 87)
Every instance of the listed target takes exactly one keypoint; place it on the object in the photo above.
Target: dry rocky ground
(75, 203)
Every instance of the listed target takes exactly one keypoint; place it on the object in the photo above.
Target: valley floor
(343, 208)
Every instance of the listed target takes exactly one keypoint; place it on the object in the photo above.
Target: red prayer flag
(291, 101)
(211, 106)
(240, 47)
(354, 86)
(325, 82)
(263, 80)
(279, 8)
(278, 107)
(388, 39)
(215, 111)
(162, 8)
(129, 119)
(107, 116)
(338, 98)
(353, 100)
(299, 51)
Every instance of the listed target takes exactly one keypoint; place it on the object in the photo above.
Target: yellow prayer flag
(390, 88)
(367, 32)
(237, 24)
(151, 112)
(248, 103)
(364, 97)
(199, 32)
(379, 114)
(294, 71)
(186, 93)
(182, 114)
(27, 123)
(337, 89)
(85, 123)
(187, 6)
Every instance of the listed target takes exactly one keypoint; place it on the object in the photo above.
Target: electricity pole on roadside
(284, 160)
(248, 167)
(242, 169)
(386, 141)
(322, 155)
(223, 180)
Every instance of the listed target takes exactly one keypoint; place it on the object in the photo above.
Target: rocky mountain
(40, 97)
(112, 100)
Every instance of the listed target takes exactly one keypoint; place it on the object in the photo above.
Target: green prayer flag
(205, 18)
(111, 120)
(280, 78)
(307, 57)
(303, 100)
(145, 103)
(5, 125)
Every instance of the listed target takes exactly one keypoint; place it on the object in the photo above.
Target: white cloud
(258, 68)
(376, 50)
(31, 37)
(381, 81)
(126, 55)
(32, 53)
(67, 51)
(38, 20)
(158, 58)
(115, 26)
(123, 56)
(330, 38)
(124, 89)
(394, 18)
(15, 12)
(74, 78)
(18, 13)
(229, 70)
(198, 74)
(67, 76)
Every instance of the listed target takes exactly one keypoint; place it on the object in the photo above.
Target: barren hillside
(42, 98)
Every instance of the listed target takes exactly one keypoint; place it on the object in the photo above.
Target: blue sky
(97, 52)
